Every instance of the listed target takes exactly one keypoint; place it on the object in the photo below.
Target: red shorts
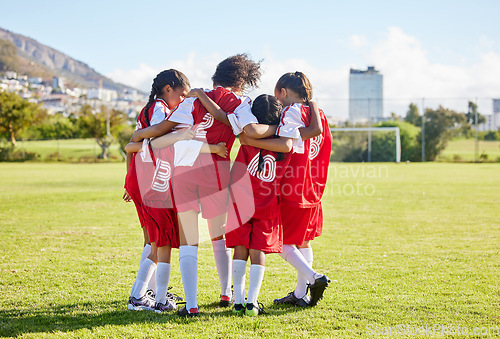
(190, 196)
(132, 187)
(162, 226)
(301, 224)
(258, 234)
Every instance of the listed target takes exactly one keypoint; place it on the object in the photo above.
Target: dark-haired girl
(303, 184)
(169, 88)
(254, 232)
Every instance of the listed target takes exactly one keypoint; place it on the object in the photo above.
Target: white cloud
(357, 41)
(140, 77)
(409, 74)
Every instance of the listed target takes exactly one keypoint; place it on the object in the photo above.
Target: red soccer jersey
(304, 181)
(211, 170)
(262, 189)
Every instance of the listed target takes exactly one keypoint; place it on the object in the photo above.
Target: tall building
(365, 95)
(492, 122)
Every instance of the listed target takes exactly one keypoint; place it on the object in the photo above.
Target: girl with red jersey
(168, 90)
(255, 234)
(303, 184)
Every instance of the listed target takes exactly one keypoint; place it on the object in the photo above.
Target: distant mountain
(39, 60)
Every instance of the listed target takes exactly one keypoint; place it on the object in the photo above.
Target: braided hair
(298, 83)
(237, 72)
(171, 77)
(267, 110)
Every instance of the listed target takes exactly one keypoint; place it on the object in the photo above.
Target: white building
(492, 120)
(365, 95)
(102, 94)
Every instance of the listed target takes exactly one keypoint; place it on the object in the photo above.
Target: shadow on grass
(72, 317)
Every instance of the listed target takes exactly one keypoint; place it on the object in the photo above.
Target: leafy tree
(8, 56)
(412, 116)
(471, 115)
(17, 113)
(94, 124)
(54, 127)
(438, 130)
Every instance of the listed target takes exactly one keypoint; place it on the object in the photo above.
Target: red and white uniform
(253, 217)
(159, 220)
(304, 182)
(206, 182)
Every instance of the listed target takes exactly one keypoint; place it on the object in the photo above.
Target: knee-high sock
(293, 256)
(146, 270)
(239, 270)
(146, 250)
(301, 288)
(222, 256)
(162, 278)
(256, 277)
(188, 264)
(152, 283)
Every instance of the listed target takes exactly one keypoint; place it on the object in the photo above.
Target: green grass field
(464, 150)
(409, 245)
(70, 150)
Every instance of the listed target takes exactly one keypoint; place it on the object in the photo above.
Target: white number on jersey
(162, 176)
(268, 173)
(208, 121)
(315, 146)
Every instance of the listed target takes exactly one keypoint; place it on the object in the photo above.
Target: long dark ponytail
(171, 77)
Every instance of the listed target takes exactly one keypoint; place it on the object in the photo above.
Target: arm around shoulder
(315, 128)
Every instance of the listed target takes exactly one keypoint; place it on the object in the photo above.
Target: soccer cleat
(150, 294)
(253, 310)
(168, 306)
(291, 299)
(239, 309)
(173, 296)
(144, 303)
(225, 301)
(193, 312)
(317, 289)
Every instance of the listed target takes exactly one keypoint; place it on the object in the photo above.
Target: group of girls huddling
(267, 201)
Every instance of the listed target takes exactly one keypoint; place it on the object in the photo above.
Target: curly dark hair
(237, 72)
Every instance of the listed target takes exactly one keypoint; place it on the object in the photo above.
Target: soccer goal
(371, 130)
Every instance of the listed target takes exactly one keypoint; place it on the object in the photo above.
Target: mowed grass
(464, 150)
(69, 150)
(411, 245)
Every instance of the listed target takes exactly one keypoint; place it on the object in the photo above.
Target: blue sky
(445, 51)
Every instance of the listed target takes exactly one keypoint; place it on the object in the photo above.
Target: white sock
(222, 256)
(301, 288)
(146, 251)
(256, 277)
(293, 256)
(146, 270)
(188, 264)
(239, 270)
(162, 277)
(152, 283)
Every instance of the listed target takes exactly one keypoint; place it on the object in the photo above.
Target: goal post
(374, 129)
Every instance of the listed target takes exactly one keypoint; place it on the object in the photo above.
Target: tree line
(439, 126)
(20, 118)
